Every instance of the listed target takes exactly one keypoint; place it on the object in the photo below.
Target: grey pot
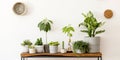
(94, 44)
(46, 48)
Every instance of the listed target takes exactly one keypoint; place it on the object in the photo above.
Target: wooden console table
(70, 55)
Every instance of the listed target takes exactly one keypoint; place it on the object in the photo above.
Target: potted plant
(68, 30)
(32, 49)
(91, 24)
(80, 47)
(45, 25)
(53, 46)
(63, 50)
(25, 45)
(39, 45)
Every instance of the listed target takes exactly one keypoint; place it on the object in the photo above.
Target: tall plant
(91, 24)
(68, 30)
(45, 25)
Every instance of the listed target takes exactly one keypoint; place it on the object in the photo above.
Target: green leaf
(100, 31)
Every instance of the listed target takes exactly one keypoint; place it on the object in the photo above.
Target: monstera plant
(91, 28)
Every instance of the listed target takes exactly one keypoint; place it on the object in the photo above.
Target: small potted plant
(39, 45)
(81, 47)
(63, 50)
(53, 47)
(45, 25)
(68, 31)
(91, 28)
(32, 49)
(25, 45)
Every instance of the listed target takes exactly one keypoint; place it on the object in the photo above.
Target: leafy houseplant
(81, 47)
(91, 24)
(45, 25)
(68, 30)
(26, 42)
(39, 45)
(53, 47)
(25, 45)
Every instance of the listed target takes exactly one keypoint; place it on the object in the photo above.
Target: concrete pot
(39, 49)
(53, 49)
(63, 50)
(32, 50)
(94, 44)
(25, 48)
(78, 51)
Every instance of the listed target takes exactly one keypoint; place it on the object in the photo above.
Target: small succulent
(26, 42)
(54, 43)
(39, 41)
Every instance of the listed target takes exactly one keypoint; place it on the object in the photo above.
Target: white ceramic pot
(32, 50)
(78, 51)
(25, 48)
(94, 44)
(63, 51)
(39, 49)
(53, 49)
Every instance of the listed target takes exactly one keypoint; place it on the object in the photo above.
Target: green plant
(68, 30)
(45, 25)
(91, 24)
(31, 46)
(56, 43)
(82, 46)
(39, 41)
(62, 44)
(26, 42)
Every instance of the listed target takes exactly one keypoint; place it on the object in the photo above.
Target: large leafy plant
(45, 25)
(91, 24)
(82, 46)
(39, 42)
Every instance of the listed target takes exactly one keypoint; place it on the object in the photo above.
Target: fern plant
(39, 42)
(68, 30)
(91, 24)
(45, 25)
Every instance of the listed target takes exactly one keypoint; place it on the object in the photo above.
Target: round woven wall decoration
(108, 13)
(19, 8)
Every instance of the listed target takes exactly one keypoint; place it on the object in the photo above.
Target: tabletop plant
(82, 46)
(39, 42)
(54, 43)
(91, 24)
(26, 42)
(68, 30)
(45, 25)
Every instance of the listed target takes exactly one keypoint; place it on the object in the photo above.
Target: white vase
(94, 44)
(53, 49)
(63, 51)
(25, 48)
(39, 49)
(78, 51)
(33, 50)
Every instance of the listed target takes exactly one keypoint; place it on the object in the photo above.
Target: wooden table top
(62, 54)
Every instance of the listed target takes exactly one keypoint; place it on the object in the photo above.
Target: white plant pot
(94, 44)
(53, 49)
(39, 49)
(78, 51)
(25, 49)
(63, 51)
(32, 50)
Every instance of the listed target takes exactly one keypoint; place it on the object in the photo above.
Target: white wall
(14, 29)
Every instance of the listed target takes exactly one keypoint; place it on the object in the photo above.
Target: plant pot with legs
(91, 24)
(45, 25)
(53, 47)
